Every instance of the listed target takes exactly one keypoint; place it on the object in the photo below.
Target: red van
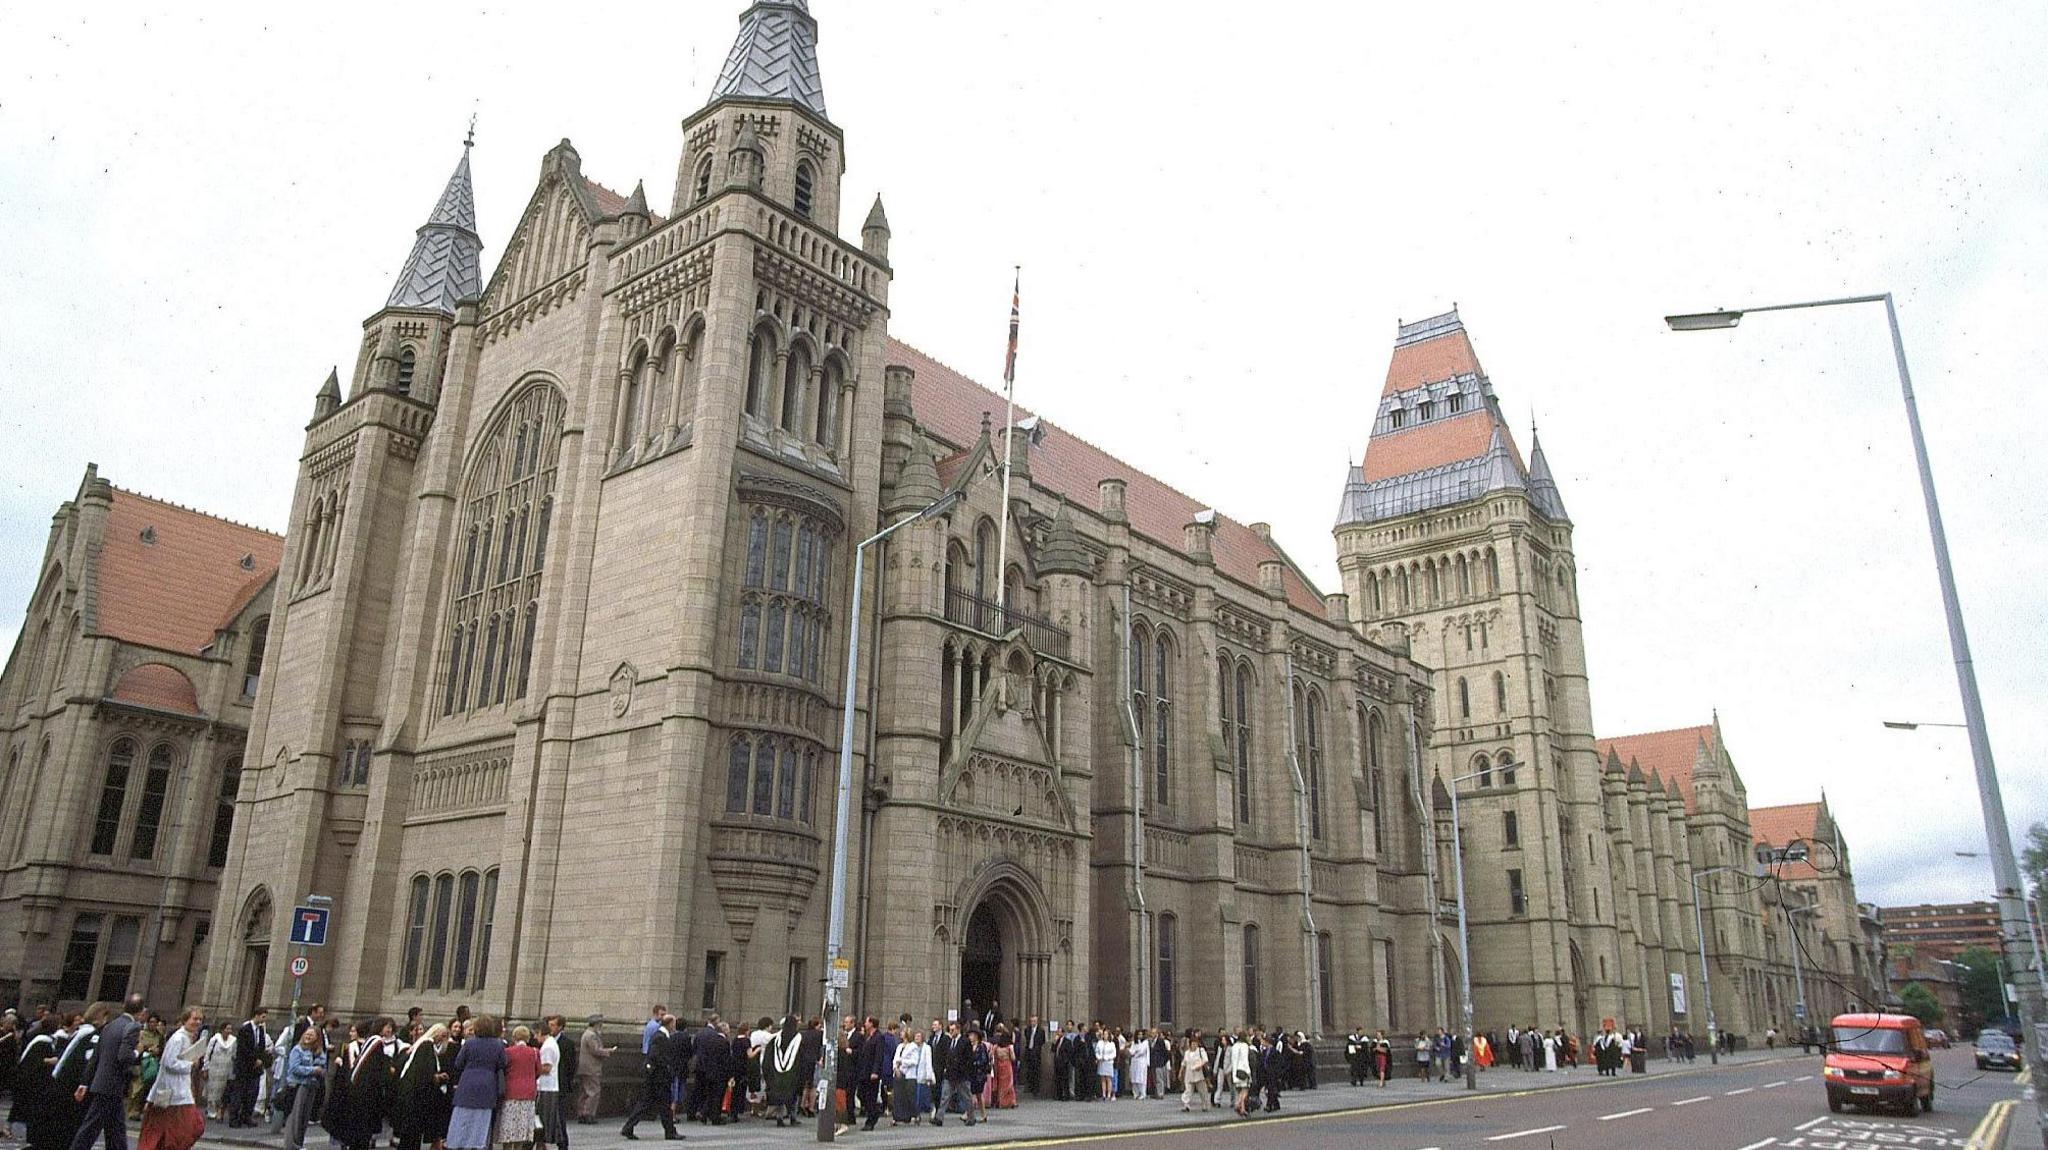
(1878, 1060)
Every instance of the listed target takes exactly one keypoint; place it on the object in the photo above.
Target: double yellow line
(1990, 1133)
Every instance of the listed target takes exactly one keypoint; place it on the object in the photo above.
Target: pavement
(1750, 1101)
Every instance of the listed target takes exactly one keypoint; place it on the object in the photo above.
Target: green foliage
(1920, 1003)
(2034, 859)
(1977, 971)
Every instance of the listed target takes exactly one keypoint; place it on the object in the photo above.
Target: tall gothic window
(407, 364)
(796, 379)
(769, 776)
(1251, 971)
(224, 812)
(703, 180)
(1167, 930)
(508, 492)
(1326, 995)
(1243, 700)
(106, 826)
(830, 381)
(760, 372)
(252, 660)
(149, 813)
(1152, 699)
(415, 932)
(1312, 763)
(804, 181)
(1464, 699)
(1500, 692)
(1375, 774)
(447, 943)
(784, 614)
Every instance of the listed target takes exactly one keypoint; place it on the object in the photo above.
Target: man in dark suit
(654, 1088)
(245, 1071)
(105, 1093)
(990, 1017)
(1062, 1067)
(1030, 1050)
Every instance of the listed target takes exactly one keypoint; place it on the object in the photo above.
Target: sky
(1220, 222)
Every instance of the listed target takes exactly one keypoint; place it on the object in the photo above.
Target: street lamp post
(1998, 835)
(1798, 967)
(836, 976)
(1464, 935)
(1706, 977)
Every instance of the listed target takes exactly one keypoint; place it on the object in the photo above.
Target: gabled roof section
(169, 576)
(775, 57)
(1430, 351)
(1779, 826)
(446, 264)
(1668, 753)
(950, 406)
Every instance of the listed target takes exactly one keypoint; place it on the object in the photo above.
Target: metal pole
(1464, 937)
(2011, 905)
(835, 931)
(1706, 977)
(1312, 968)
(1428, 822)
(1137, 810)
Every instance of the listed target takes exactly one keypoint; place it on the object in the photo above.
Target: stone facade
(124, 709)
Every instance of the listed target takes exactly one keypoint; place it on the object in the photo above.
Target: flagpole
(1009, 430)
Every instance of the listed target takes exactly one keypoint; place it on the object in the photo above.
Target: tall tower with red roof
(1453, 545)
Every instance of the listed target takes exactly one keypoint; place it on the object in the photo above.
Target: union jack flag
(1010, 357)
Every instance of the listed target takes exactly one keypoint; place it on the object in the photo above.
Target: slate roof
(446, 263)
(775, 57)
(175, 592)
(949, 406)
(1669, 753)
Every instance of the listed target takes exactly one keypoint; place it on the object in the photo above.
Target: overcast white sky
(1220, 222)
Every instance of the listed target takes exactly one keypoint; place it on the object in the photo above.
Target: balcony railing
(970, 610)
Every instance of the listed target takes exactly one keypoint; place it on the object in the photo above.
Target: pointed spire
(917, 480)
(446, 264)
(775, 57)
(1064, 553)
(1501, 472)
(874, 234)
(636, 204)
(877, 218)
(327, 400)
(1542, 485)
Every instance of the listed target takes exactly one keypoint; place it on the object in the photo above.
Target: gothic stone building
(552, 711)
(123, 709)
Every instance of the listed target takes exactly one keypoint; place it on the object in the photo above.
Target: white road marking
(1810, 1123)
(1732, 1093)
(1524, 1133)
(1804, 1078)
(1625, 1114)
(1758, 1145)
(1774, 1085)
(1690, 1101)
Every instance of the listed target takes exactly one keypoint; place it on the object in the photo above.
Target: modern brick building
(1936, 931)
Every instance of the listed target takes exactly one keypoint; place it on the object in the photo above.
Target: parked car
(1938, 1038)
(1996, 1050)
(1878, 1060)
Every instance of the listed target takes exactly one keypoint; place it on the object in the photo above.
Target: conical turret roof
(1542, 486)
(446, 264)
(775, 57)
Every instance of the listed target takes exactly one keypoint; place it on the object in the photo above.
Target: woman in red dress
(1004, 1055)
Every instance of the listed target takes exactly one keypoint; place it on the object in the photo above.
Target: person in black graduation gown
(369, 1087)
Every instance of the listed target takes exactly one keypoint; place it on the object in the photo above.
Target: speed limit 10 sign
(300, 966)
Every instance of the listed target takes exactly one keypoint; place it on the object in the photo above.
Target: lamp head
(1898, 726)
(1704, 321)
(940, 505)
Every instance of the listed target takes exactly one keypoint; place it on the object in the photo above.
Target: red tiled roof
(1431, 361)
(1669, 753)
(1777, 826)
(611, 203)
(950, 405)
(175, 592)
(1434, 444)
(158, 686)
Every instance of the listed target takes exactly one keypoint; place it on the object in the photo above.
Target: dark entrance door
(981, 964)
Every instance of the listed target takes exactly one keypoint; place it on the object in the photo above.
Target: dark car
(1996, 1050)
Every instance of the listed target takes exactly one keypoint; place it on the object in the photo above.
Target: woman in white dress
(171, 1119)
(1105, 1063)
(1235, 1073)
(1140, 1072)
(219, 1063)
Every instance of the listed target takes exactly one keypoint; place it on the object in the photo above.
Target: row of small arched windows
(791, 389)
(1433, 582)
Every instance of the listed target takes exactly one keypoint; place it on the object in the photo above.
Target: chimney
(1111, 505)
(1272, 572)
(896, 381)
(1200, 533)
(1337, 609)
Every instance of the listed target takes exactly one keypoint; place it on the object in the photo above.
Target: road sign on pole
(300, 966)
(309, 926)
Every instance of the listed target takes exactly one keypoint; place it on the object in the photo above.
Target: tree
(1983, 994)
(2034, 859)
(1920, 1003)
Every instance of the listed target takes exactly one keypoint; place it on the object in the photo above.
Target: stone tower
(1446, 538)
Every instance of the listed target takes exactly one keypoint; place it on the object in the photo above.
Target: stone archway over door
(1006, 952)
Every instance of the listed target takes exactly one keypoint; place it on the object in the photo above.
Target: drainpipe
(1421, 796)
(540, 739)
(1137, 806)
(867, 812)
(1301, 832)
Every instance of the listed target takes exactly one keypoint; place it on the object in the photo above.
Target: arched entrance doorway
(981, 961)
(255, 943)
(1004, 950)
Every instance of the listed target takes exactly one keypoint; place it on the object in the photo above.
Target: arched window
(1141, 699)
(444, 909)
(1312, 764)
(688, 366)
(631, 397)
(984, 561)
(829, 383)
(738, 770)
(1500, 692)
(703, 180)
(509, 489)
(224, 812)
(465, 928)
(796, 377)
(1464, 699)
(1464, 578)
(1162, 720)
(489, 914)
(407, 362)
(1244, 743)
(252, 660)
(1506, 763)
(1492, 570)
(1167, 932)
(106, 825)
(1375, 777)
(415, 932)
(804, 180)
(760, 365)
(1251, 972)
(1326, 994)
(1483, 767)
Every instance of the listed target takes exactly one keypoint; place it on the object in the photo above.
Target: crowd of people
(473, 1083)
